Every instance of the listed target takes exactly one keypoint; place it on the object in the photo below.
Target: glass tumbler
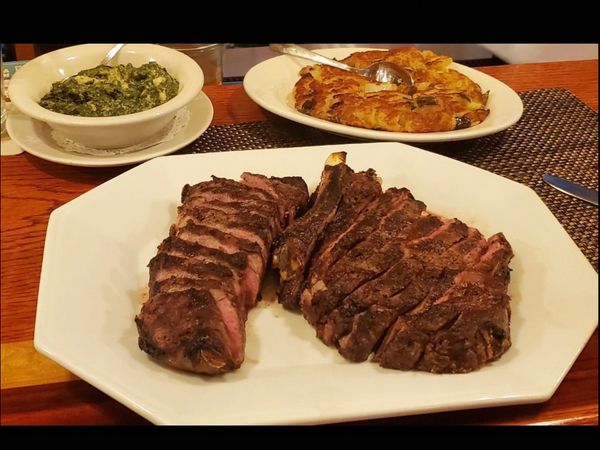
(208, 56)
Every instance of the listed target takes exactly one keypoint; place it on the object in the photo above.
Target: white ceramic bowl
(34, 80)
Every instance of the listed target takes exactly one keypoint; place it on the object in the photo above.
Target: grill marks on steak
(416, 290)
(341, 195)
(207, 272)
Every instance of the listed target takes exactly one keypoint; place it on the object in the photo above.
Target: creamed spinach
(112, 91)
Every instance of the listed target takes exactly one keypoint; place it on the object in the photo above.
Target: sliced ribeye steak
(383, 276)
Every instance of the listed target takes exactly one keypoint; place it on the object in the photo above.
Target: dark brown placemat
(558, 134)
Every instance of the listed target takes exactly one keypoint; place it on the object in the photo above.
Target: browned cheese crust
(444, 99)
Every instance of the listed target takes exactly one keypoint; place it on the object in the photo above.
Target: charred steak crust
(464, 328)
(291, 192)
(294, 248)
(389, 279)
(206, 274)
(341, 195)
(426, 269)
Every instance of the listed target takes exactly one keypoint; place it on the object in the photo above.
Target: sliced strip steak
(207, 272)
(186, 330)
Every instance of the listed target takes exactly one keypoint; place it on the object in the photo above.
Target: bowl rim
(24, 102)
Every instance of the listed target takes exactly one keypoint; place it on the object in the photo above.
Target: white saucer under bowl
(35, 137)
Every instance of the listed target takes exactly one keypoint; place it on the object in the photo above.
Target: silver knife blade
(572, 189)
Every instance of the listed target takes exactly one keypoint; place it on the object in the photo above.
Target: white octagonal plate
(94, 271)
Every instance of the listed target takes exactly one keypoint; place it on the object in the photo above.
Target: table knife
(572, 189)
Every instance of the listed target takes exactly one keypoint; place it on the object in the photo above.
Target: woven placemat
(557, 134)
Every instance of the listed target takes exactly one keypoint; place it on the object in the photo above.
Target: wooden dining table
(36, 390)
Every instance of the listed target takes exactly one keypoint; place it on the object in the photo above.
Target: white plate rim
(18, 126)
(262, 75)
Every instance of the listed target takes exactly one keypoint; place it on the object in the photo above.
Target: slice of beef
(366, 260)
(297, 243)
(427, 270)
(164, 266)
(218, 184)
(237, 263)
(360, 190)
(389, 263)
(291, 192)
(220, 188)
(249, 228)
(464, 328)
(186, 330)
(173, 245)
(207, 272)
(361, 228)
(220, 240)
(228, 193)
(251, 208)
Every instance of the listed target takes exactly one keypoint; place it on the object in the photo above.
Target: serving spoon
(111, 54)
(383, 72)
(108, 58)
